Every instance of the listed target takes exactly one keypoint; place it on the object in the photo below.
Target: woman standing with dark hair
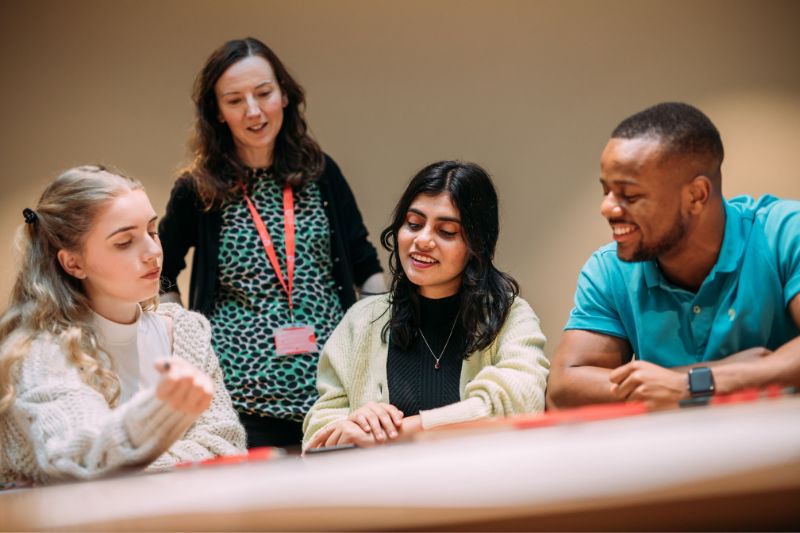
(279, 242)
(451, 342)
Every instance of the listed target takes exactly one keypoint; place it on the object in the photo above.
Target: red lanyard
(266, 240)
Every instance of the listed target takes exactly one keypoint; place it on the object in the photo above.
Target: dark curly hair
(216, 168)
(486, 292)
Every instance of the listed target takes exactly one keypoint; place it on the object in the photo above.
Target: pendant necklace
(438, 365)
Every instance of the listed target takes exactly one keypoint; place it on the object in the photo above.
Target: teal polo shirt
(741, 304)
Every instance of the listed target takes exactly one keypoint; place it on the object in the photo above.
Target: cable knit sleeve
(67, 429)
(218, 430)
(513, 376)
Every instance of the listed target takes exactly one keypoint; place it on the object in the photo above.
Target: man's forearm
(782, 367)
(751, 354)
(579, 385)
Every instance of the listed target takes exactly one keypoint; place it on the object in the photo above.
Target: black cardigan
(185, 224)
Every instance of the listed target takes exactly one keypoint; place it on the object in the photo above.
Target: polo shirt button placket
(696, 328)
(701, 323)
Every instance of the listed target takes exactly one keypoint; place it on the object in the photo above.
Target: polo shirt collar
(733, 245)
(652, 274)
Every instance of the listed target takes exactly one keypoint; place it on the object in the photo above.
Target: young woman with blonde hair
(94, 375)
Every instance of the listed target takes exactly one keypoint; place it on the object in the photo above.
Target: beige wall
(529, 89)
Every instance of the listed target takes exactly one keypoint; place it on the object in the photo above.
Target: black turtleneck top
(415, 384)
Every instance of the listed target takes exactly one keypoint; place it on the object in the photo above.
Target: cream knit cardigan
(61, 428)
(506, 378)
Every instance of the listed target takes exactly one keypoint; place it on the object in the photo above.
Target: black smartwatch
(701, 382)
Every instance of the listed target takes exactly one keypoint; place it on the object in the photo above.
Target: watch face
(701, 381)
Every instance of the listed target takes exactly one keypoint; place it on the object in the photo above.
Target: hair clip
(29, 215)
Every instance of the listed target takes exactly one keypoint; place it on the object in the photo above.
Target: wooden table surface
(722, 467)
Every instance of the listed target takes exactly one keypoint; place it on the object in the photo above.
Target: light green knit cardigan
(508, 377)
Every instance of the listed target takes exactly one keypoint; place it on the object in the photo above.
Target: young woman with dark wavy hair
(259, 193)
(451, 342)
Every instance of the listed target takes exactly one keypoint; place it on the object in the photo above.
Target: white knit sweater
(60, 428)
(508, 377)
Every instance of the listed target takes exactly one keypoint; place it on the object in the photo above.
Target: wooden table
(723, 467)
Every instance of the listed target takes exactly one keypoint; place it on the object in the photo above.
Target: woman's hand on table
(410, 426)
(369, 425)
(382, 420)
(344, 431)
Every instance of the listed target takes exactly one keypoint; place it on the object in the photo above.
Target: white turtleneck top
(134, 349)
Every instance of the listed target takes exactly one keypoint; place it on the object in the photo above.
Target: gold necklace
(438, 365)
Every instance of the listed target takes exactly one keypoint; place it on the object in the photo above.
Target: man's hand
(658, 387)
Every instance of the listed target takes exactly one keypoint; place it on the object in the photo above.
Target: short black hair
(683, 128)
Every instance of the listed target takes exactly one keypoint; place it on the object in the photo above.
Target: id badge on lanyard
(293, 338)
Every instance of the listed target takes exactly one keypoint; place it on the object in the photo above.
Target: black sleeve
(178, 231)
(363, 256)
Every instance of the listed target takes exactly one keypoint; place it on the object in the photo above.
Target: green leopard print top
(250, 304)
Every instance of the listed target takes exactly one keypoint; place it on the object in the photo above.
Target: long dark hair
(486, 293)
(216, 168)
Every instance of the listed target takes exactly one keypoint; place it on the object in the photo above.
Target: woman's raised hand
(183, 387)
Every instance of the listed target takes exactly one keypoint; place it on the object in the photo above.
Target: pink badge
(294, 340)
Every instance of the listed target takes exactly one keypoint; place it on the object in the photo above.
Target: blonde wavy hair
(45, 300)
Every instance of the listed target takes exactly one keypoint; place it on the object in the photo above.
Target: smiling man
(697, 294)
